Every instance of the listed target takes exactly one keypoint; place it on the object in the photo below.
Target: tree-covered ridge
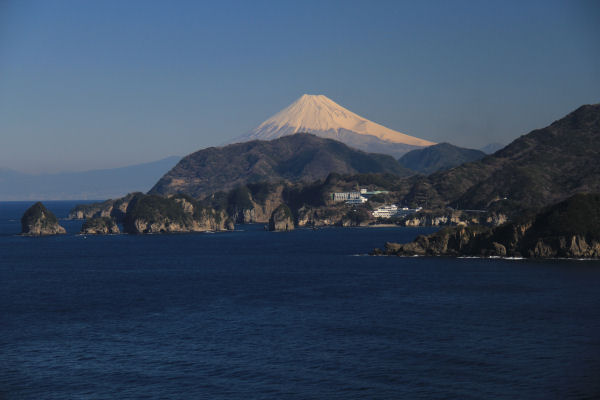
(294, 158)
(543, 167)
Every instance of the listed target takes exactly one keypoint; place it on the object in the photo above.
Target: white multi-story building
(386, 211)
(345, 196)
(393, 211)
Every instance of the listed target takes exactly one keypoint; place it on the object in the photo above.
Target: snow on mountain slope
(320, 115)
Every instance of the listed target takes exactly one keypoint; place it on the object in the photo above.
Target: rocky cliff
(251, 203)
(176, 214)
(39, 221)
(100, 226)
(568, 229)
(450, 217)
(281, 219)
(115, 208)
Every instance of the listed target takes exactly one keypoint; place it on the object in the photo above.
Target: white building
(386, 211)
(345, 196)
(359, 200)
(393, 211)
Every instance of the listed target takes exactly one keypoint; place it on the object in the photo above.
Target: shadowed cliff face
(299, 157)
(568, 229)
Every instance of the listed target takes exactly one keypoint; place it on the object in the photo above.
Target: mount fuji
(321, 116)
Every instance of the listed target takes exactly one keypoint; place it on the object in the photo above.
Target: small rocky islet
(39, 221)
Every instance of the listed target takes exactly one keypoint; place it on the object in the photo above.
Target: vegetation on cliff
(179, 213)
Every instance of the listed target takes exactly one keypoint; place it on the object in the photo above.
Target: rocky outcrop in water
(100, 226)
(568, 229)
(281, 219)
(39, 221)
(176, 214)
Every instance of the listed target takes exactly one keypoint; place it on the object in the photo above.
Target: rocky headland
(569, 229)
(39, 221)
(115, 208)
(176, 214)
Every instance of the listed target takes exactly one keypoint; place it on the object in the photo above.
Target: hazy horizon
(95, 85)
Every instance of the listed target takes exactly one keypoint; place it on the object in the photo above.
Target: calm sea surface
(300, 315)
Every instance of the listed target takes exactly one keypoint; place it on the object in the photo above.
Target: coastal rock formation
(115, 208)
(568, 229)
(100, 226)
(281, 219)
(39, 221)
(321, 216)
(251, 203)
(453, 217)
(176, 214)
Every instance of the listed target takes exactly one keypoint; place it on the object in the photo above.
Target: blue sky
(95, 84)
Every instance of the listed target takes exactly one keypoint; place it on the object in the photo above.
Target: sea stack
(39, 221)
(281, 219)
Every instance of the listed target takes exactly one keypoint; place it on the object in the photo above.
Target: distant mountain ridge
(438, 157)
(86, 185)
(299, 157)
(321, 116)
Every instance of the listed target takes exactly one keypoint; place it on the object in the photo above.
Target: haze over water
(254, 314)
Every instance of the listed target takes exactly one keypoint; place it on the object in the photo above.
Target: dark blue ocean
(300, 315)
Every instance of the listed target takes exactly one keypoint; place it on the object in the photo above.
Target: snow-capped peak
(319, 114)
